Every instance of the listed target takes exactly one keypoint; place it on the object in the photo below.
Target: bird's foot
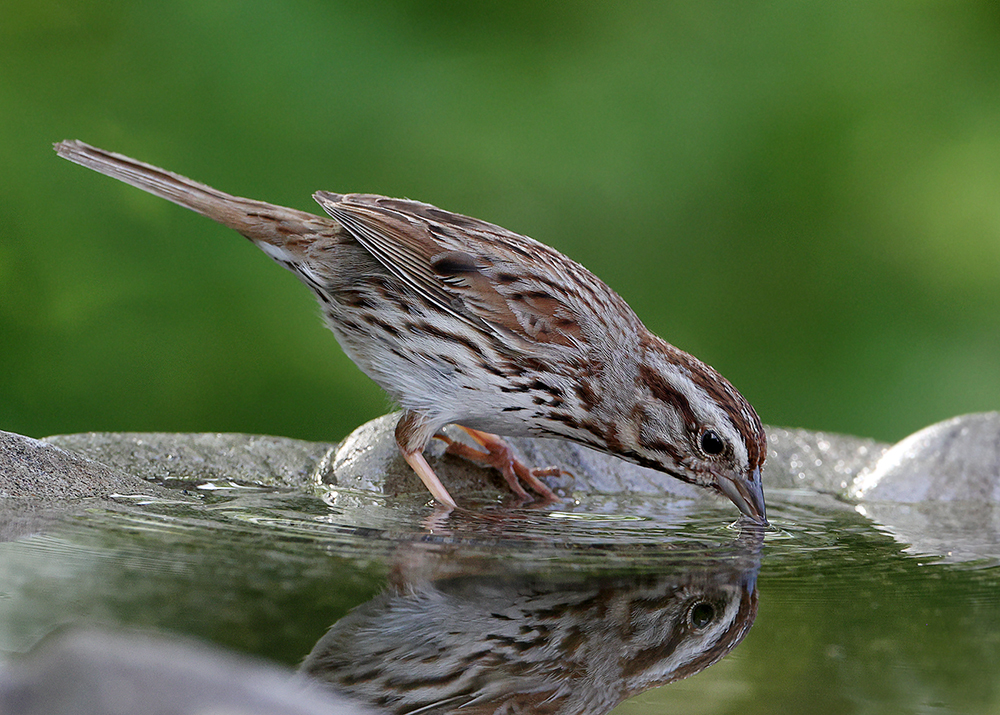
(500, 455)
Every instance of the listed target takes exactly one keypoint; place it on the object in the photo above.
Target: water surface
(595, 601)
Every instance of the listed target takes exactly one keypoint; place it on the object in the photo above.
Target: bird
(463, 322)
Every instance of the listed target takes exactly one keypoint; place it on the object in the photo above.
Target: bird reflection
(464, 634)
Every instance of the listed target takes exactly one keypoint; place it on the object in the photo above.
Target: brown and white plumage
(462, 321)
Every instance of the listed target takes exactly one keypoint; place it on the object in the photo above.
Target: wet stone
(822, 462)
(950, 531)
(207, 457)
(938, 490)
(41, 484)
(33, 469)
(954, 462)
(368, 459)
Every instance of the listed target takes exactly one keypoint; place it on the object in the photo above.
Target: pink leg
(498, 454)
(413, 433)
(428, 477)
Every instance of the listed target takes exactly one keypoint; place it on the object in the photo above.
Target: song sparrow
(464, 322)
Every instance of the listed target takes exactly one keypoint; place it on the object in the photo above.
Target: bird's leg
(412, 437)
(499, 454)
(428, 477)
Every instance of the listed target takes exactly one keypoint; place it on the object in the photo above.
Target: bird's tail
(257, 220)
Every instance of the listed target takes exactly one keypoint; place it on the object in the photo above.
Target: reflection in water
(455, 633)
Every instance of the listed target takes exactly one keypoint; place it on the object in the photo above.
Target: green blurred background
(804, 194)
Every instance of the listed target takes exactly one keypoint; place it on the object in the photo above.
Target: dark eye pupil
(712, 443)
(702, 614)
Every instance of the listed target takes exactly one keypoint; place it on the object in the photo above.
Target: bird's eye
(711, 443)
(701, 614)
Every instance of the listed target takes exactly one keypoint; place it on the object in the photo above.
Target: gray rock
(208, 457)
(369, 460)
(41, 484)
(938, 491)
(954, 460)
(817, 461)
(33, 469)
(101, 673)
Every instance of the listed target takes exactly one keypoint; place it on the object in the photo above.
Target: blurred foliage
(805, 195)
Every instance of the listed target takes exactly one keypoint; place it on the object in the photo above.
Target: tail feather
(256, 220)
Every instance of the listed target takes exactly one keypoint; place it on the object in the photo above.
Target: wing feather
(475, 271)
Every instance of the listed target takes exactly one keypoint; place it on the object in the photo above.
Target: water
(822, 613)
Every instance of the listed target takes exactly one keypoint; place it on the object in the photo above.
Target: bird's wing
(489, 277)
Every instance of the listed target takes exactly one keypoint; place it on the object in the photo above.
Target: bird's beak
(747, 495)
